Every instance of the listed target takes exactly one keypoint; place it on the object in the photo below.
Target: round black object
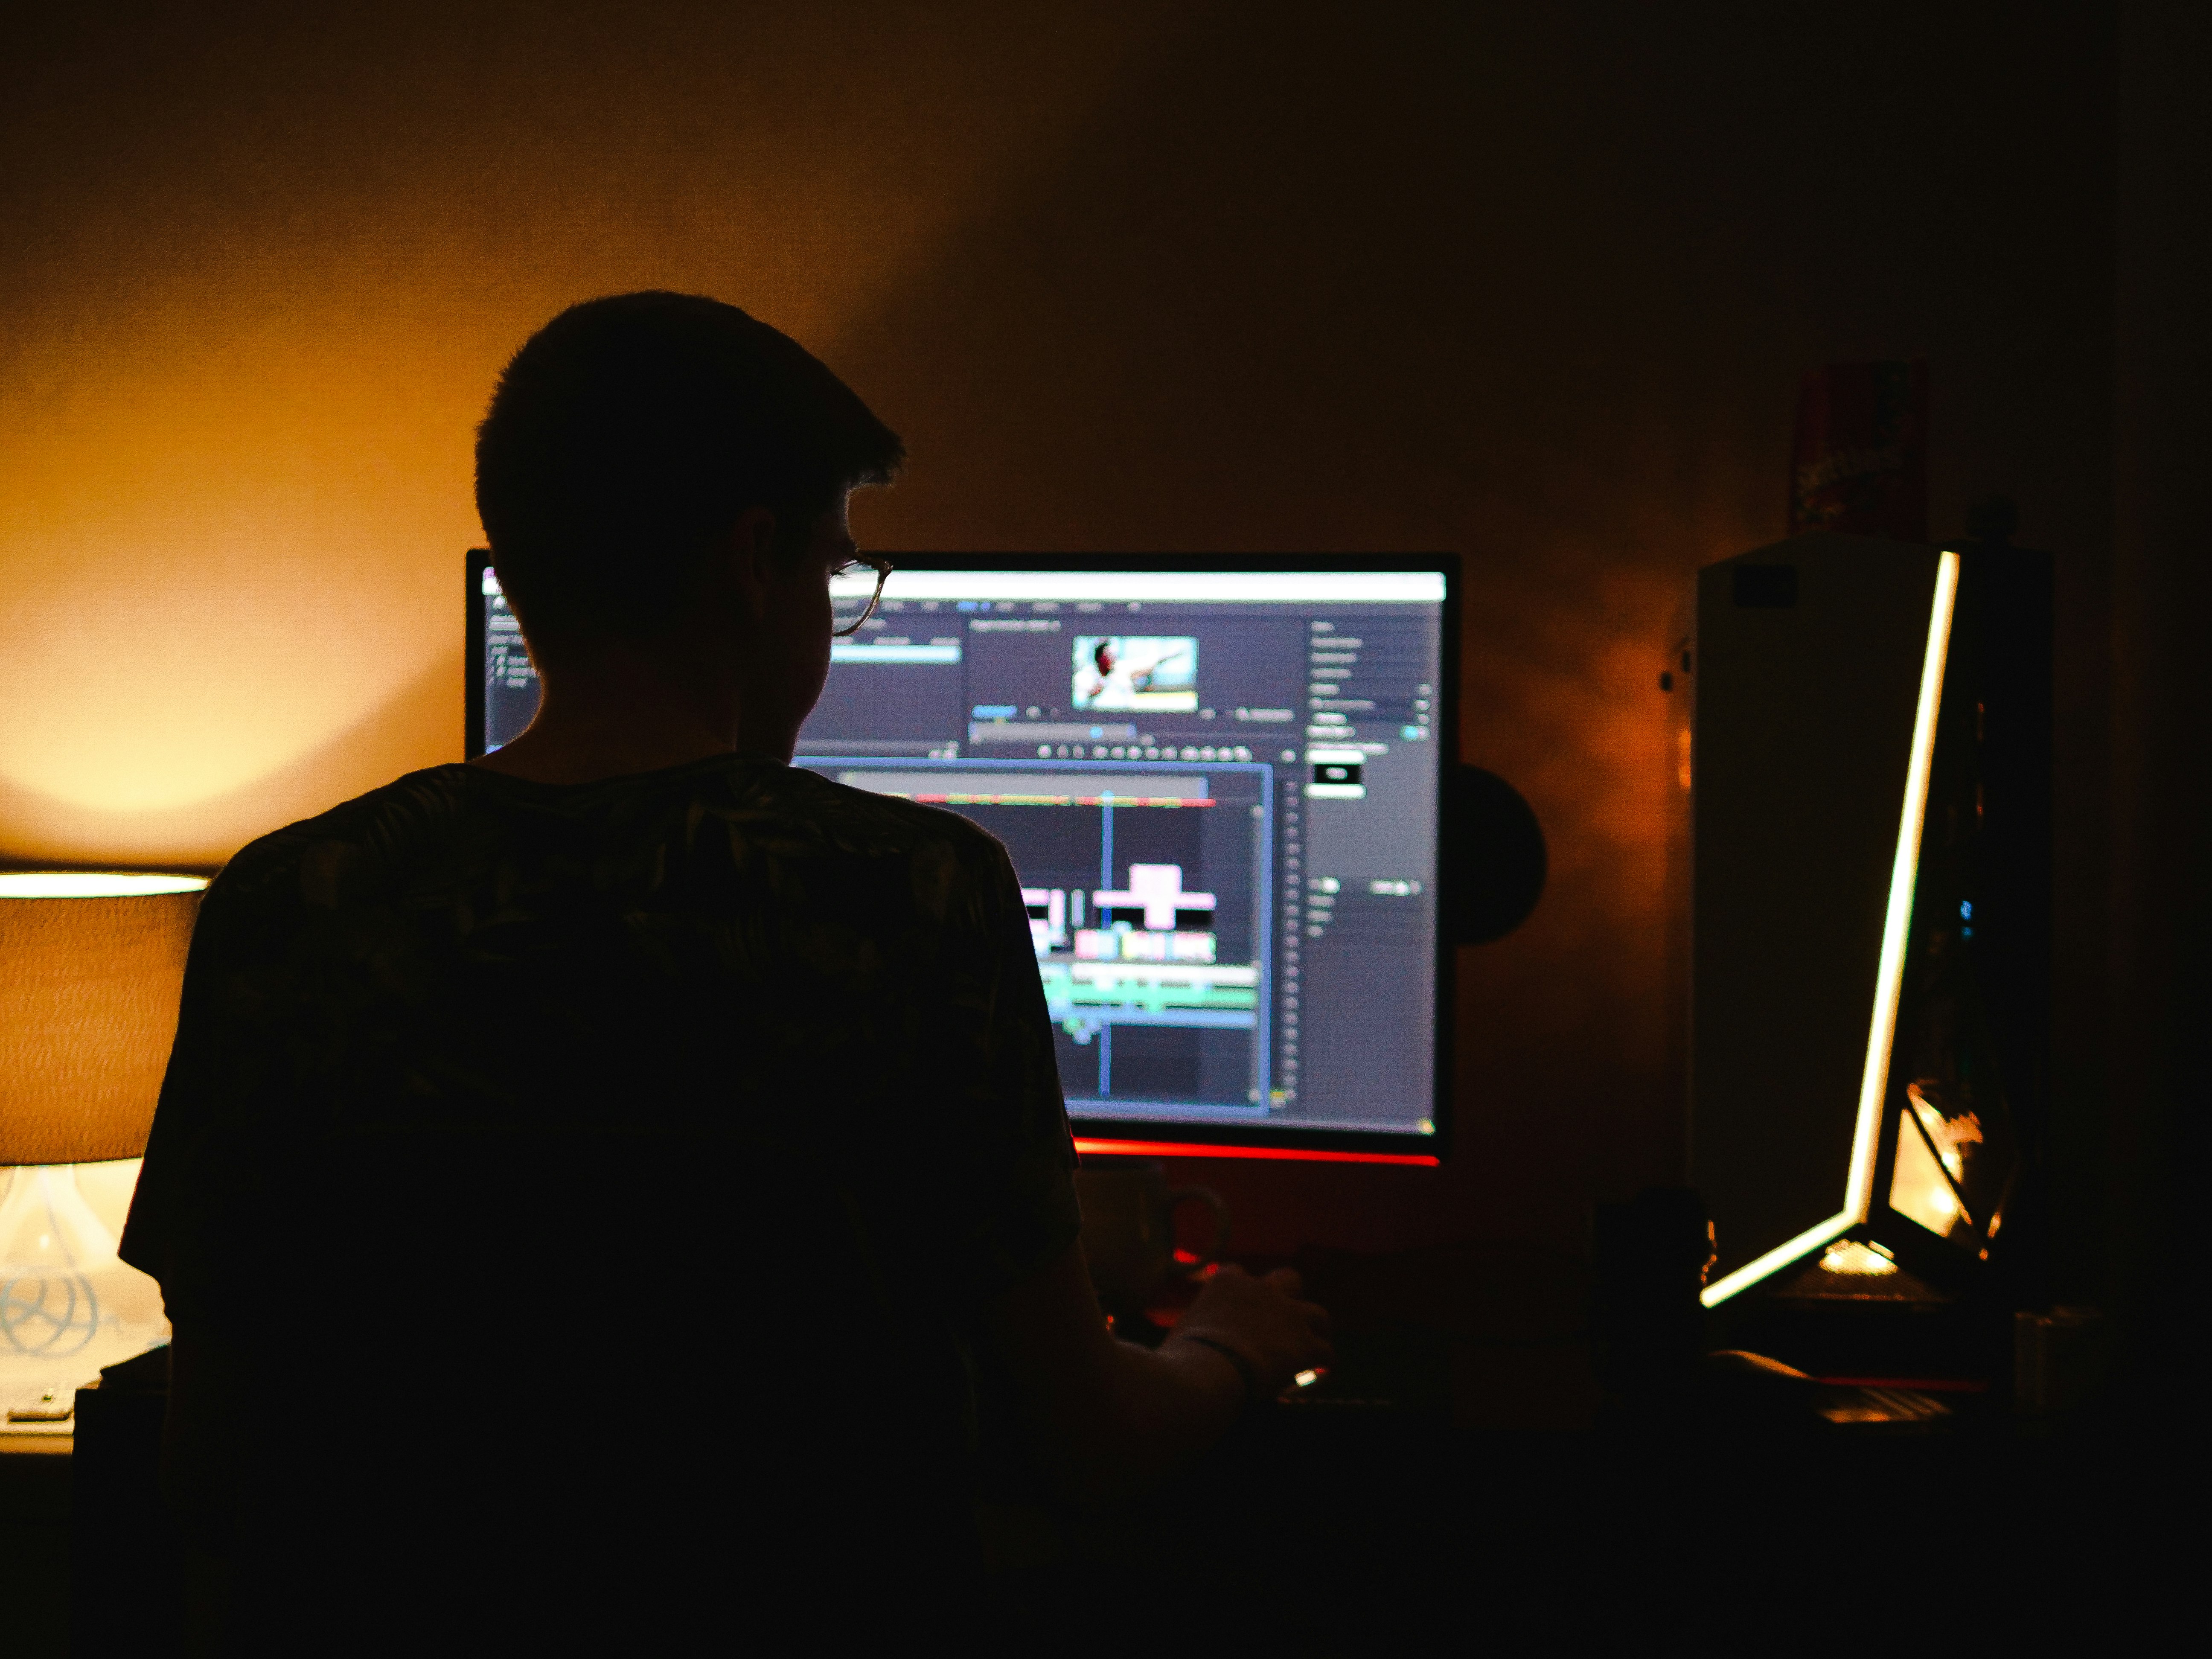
(1493, 855)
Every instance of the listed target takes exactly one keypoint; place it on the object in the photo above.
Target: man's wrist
(1247, 1372)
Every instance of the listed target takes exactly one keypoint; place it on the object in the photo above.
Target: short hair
(631, 433)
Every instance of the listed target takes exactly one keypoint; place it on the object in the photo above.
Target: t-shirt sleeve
(200, 1220)
(157, 1238)
(1023, 1152)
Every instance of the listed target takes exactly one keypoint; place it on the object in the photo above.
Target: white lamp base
(69, 1304)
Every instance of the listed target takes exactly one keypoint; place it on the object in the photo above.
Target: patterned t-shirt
(723, 1094)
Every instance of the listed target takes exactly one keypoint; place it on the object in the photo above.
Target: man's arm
(1105, 1418)
(1102, 1416)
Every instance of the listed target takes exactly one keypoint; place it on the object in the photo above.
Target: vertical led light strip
(1889, 977)
(1903, 875)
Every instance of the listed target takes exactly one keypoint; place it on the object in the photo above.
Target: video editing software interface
(1219, 790)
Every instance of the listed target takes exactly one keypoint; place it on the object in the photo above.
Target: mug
(1128, 1228)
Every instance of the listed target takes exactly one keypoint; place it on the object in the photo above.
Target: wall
(1531, 282)
(2144, 1147)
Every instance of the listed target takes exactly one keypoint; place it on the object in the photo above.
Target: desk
(1481, 1484)
(36, 1480)
(1471, 1336)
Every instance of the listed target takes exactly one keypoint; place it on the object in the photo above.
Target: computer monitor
(1219, 778)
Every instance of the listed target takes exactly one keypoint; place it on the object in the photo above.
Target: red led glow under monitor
(1091, 1148)
(1219, 778)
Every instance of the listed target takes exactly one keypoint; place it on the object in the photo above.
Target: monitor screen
(1220, 783)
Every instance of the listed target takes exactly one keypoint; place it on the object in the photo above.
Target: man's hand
(1265, 1320)
(1106, 1417)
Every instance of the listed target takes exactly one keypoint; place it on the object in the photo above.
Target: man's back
(623, 1178)
(565, 1164)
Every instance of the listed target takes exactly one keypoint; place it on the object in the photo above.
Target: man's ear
(750, 559)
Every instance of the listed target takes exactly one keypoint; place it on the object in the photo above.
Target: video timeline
(1147, 890)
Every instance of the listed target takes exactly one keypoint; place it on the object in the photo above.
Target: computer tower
(1863, 731)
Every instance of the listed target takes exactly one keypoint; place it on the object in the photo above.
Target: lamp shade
(91, 966)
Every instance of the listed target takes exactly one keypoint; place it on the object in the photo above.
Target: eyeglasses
(882, 567)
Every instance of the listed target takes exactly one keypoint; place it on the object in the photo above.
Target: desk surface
(49, 1435)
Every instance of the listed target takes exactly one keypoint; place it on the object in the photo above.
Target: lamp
(91, 966)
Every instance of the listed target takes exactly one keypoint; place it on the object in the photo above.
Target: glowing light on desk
(1854, 1260)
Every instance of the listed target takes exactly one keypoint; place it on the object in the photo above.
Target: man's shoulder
(866, 820)
(317, 852)
(387, 833)
(434, 826)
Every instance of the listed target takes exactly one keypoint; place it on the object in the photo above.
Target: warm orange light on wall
(249, 333)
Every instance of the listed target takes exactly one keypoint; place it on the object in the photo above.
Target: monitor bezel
(1158, 1137)
(472, 655)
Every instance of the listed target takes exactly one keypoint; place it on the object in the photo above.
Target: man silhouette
(628, 1173)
